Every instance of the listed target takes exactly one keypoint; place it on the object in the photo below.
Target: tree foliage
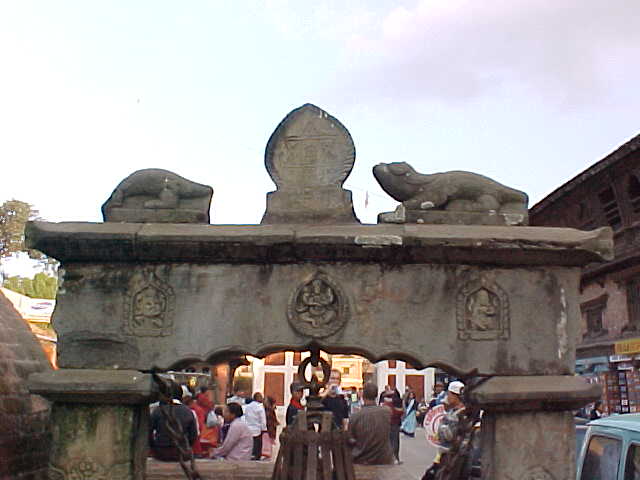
(41, 286)
(14, 214)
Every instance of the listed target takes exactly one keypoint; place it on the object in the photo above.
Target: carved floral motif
(482, 311)
(318, 308)
(537, 473)
(149, 305)
(88, 469)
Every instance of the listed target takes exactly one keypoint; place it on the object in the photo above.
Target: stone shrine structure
(500, 302)
(24, 418)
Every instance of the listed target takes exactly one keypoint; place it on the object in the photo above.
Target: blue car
(611, 449)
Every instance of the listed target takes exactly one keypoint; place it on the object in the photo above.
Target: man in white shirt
(256, 419)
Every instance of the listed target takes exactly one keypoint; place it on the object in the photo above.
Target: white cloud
(569, 52)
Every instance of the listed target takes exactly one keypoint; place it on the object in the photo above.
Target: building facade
(606, 194)
(274, 373)
(400, 375)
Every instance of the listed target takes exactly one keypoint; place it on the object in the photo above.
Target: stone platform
(220, 470)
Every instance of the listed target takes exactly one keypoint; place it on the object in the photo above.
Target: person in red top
(201, 415)
(297, 391)
(208, 435)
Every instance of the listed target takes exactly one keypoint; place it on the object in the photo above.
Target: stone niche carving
(158, 196)
(482, 311)
(148, 305)
(309, 156)
(449, 198)
(318, 307)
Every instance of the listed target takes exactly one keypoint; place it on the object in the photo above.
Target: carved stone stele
(158, 196)
(309, 156)
(318, 307)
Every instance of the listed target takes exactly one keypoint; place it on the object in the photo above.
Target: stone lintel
(156, 216)
(398, 244)
(445, 217)
(94, 386)
(534, 393)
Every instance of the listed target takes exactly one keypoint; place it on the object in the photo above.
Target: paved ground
(415, 454)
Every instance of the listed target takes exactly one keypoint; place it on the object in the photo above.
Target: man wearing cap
(295, 406)
(448, 428)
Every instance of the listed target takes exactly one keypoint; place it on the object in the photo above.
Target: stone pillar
(100, 422)
(528, 432)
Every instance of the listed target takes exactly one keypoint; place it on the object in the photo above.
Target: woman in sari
(409, 423)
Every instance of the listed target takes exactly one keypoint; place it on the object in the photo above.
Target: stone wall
(24, 418)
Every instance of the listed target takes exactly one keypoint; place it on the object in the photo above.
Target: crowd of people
(245, 428)
(212, 431)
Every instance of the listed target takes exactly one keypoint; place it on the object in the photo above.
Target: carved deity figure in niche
(318, 307)
(316, 304)
(482, 310)
(148, 305)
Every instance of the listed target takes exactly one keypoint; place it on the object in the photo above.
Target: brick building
(24, 418)
(606, 194)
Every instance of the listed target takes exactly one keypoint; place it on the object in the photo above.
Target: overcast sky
(529, 92)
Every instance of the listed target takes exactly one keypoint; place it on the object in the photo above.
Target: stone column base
(528, 431)
(100, 422)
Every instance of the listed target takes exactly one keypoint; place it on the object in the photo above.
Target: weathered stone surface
(394, 244)
(158, 196)
(24, 418)
(426, 312)
(98, 442)
(257, 471)
(464, 193)
(440, 217)
(93, 386)
(309, 156)
(531, 393)
(528, 446)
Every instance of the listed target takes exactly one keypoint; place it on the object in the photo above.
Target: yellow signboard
(626, 347)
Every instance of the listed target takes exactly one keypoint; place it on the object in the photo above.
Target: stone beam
(396, 244)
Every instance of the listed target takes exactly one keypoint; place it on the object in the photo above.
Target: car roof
(627, 421)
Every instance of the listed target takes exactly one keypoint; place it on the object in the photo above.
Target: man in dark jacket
(162, 446)
(297, 391)
(370, 430)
